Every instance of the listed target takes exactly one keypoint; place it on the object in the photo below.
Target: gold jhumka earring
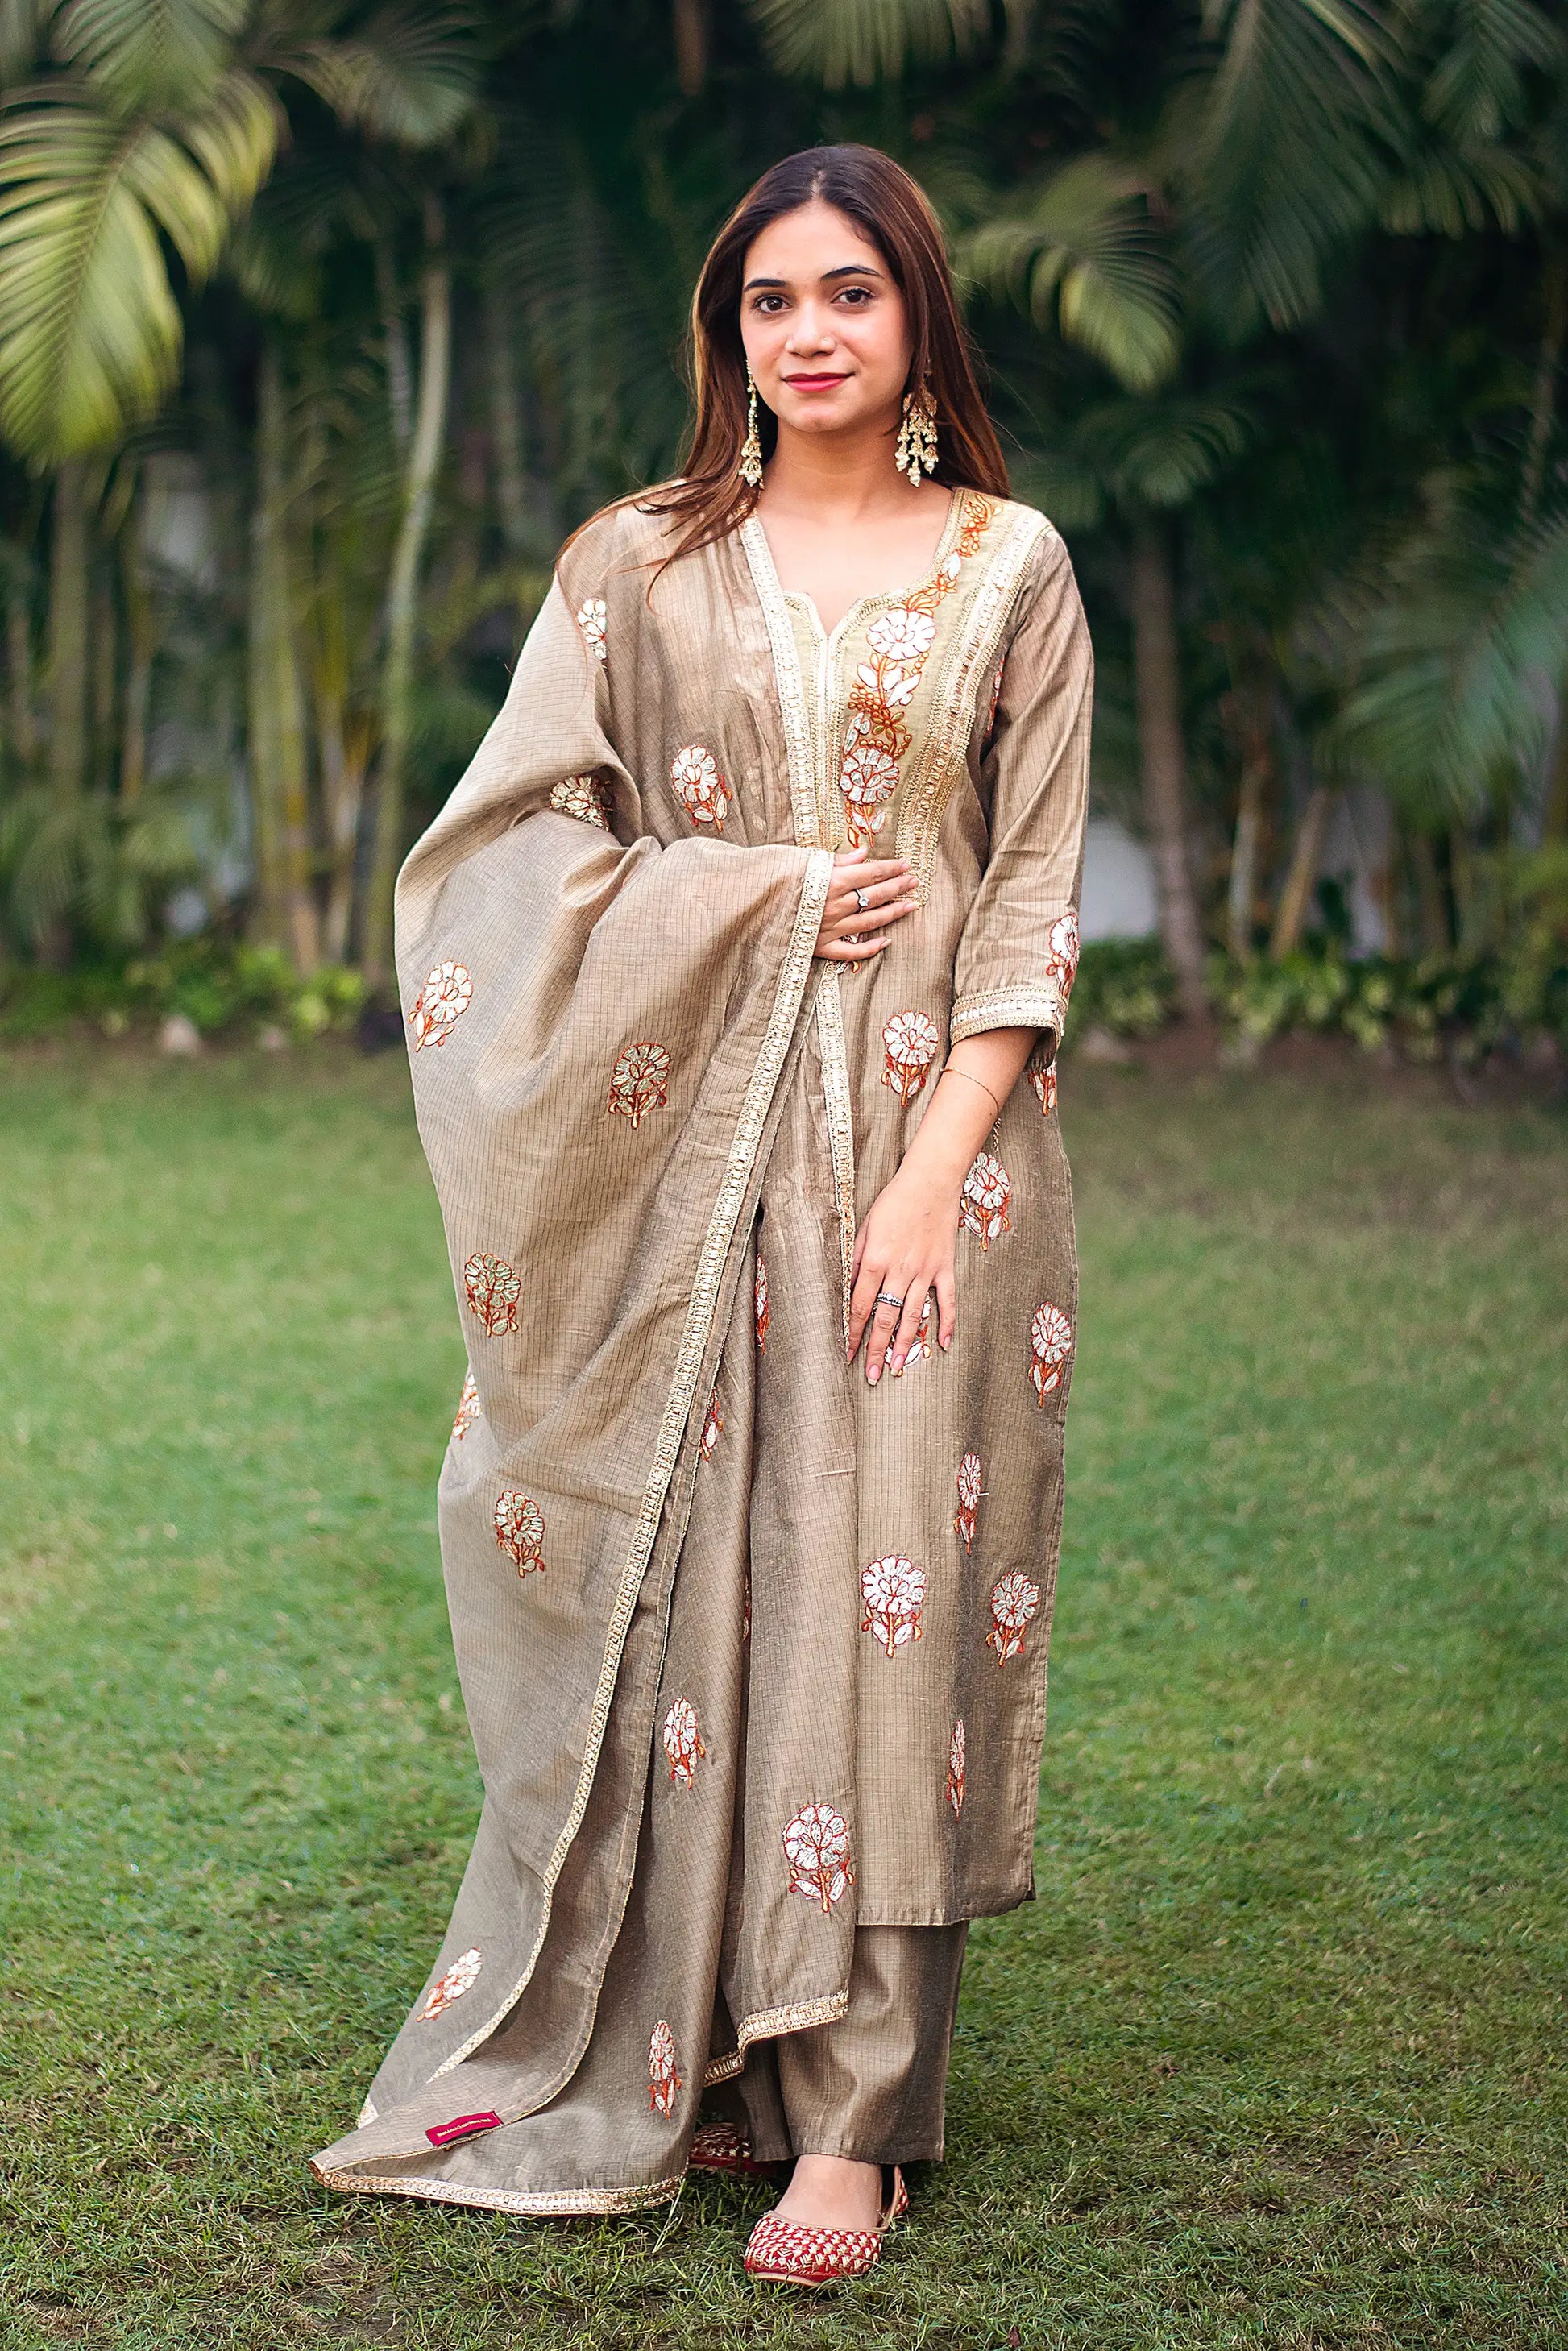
(750, 467)
(916, 446)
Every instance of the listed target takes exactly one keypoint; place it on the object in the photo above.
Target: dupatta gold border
(548, 2204)
(764, 1080)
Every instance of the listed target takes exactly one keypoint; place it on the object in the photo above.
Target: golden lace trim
(546, 2204)
(748, 1133)
(972, 652)
(788, 678)
(771, 2024)
(841, 1122)
(1040, 1007)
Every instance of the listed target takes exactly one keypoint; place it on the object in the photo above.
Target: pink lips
(814, 382)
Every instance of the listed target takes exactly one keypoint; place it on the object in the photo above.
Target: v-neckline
(885, 596)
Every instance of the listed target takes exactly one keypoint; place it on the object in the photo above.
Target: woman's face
(826, 333)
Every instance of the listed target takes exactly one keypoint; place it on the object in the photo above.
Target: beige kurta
(752, 1653)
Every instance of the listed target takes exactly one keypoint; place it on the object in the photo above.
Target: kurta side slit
(753, 1654)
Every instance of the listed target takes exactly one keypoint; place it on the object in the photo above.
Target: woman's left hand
(905, 1246)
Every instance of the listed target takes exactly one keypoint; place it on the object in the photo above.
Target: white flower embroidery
(902, 635)
(1042, 1077)
(662, 2079)
(440, 1005)
(817, 1847)
(640, 1081)
(469, 1409)
(1014, 1600)
(591, 619)
(909, 1044)
(968, 1485)
(494, 1288)
(763, 1312)
(683, 1742)
(983, 1206)
(458, 1978)
(694, 773)
(1061, 950)
(520, 1530)
(955, 1769)
(1050, 1349)
(712, 1429)
(894, 1590)
(582, 797)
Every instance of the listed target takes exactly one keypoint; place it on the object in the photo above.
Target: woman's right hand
(865, 896)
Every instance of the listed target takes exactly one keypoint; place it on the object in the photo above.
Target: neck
(841, 477)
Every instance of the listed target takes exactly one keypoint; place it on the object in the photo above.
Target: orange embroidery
(694, 774)
(875, 737)
(440, 1005)
(996, 696)
(662, 2079)
(983, 1206)
(955, 1769)
(469, 1409)
(458, 1978)
(640, 1081)
(909, 1047)
(683, 1742)
(583, 796)
(764, 1315)
(591, 619)
(1042, 1077)
(520, 1530)
(817, 1847)
(1013, 1602)
(1050, 1347)
(494, 1290)
(894, 1590)
(1061, 951)
(968, 1485)
(712, 1429)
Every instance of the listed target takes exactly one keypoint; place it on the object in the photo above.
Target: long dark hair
(895, 215)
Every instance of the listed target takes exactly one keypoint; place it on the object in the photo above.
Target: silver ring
(861, 897)
(886, 1298)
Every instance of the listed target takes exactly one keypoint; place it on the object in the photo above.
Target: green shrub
(224, 989)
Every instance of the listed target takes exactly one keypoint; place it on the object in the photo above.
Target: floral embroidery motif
(893, 1590)
(898, 642)
(1061, 951)
(458, 1978)
(955, 1769)
(983, 1206)
(520, 1530)
(584, 797)
(662, 2079)
(1042, 1077)
(989, 727)
(494, 1290)
(440, 1005)
(713, 1428)
(968, 1485)
(640, 1081)
(592, 618)
(1050, 1346)
(1013, 1602)
(920, 1345)
(909, 1045)
(694, 774)
(764, 1314)
(817, 1847)
(683, 1742)
(469, 1410)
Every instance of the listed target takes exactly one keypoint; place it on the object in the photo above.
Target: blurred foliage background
(321, 325)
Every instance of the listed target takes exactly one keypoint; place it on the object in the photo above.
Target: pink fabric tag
(462, 2126)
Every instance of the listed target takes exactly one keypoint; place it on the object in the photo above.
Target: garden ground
(1275, 2059)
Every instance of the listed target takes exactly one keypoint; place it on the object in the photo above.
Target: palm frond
(409, 75)
(865, 41)
(21, 26)
(150, 53)
(1454, 191)
(1477, 89)
(90, 333)
(1158, 453)
(1084, 246)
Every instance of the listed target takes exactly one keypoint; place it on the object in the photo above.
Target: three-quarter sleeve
(1019, 947)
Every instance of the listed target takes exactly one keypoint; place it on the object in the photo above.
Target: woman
(725, 962)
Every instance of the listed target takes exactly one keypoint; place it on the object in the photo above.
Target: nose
(812, 331)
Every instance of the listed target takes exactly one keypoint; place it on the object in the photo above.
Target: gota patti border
(743, 1146)
(547, 2205)
(806, 816)
(1008, 1007)
(952, 718)
(771, 2024)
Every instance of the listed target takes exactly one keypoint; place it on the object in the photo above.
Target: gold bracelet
(948, 1070)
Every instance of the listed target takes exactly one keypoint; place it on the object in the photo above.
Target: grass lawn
(1277, 2057)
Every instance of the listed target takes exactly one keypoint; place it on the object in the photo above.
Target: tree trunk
(1257, 774)
(1300, 874)
(70, 590)
(104, 658)
(19, 667)
(1162, 754)
(402, 595)
(279, 774)
(1543, 400)
(394, 345)
(141, 639)
(505, 422)
(691, 29)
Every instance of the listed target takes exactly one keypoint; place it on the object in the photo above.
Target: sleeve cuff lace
(1040, 1005)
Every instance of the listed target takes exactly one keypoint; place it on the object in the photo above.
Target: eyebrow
(848, 270)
